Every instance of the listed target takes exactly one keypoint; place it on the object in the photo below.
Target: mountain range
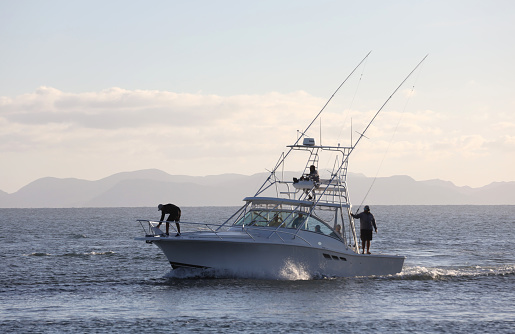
(150, 187)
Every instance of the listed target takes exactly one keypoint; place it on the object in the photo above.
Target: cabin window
(270, 218)
(253, 217)
(288, 219)
(315, 225)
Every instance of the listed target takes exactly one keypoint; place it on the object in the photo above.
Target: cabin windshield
(272, 218)
(287, 219)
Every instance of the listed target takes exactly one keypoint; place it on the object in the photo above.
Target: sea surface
(81, 271)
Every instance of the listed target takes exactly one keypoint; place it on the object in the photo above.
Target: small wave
(101, 253)
(78, 236)
(39, 254)
(73, 254)
(443, 273)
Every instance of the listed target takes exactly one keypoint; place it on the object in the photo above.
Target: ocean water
(81, 271)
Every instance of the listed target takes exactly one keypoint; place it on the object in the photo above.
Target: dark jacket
(366, 220)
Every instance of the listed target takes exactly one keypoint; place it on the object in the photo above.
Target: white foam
(294, 272)
(441, 273)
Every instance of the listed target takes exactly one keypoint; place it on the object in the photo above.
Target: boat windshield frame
(262, 216)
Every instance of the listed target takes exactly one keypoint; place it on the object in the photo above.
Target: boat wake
(447, 273)
(296, 272)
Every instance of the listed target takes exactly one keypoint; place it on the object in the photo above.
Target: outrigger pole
(310, 124)
(336, 91)
(362, 134)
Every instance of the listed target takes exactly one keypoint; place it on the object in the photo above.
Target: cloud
(503, 126)
(113, 108)
(52, 119)
(94, 134)
(217, 126)
(120, 108)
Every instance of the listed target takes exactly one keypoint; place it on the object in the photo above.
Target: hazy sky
(92, 88)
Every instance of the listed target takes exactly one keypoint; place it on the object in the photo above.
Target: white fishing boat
(288, 224)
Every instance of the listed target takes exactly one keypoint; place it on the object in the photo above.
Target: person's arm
(374, 223)
(162, 215)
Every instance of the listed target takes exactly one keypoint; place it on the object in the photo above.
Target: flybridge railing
(330, 190)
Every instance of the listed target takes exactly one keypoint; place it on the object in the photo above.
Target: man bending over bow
(174, 213)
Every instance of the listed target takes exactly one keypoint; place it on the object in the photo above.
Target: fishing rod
(336, 91)
(362, 134)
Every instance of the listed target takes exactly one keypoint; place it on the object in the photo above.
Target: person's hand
(376, 230)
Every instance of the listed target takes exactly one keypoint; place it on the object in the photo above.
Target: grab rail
(246, 229)
(151, 223)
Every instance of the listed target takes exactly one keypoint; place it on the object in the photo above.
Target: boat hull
(274, 260)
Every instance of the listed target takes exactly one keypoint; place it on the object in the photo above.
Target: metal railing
(214, 228)
(152, 223)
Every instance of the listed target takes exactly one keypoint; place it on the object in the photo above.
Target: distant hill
(150, 187)
(395, 190)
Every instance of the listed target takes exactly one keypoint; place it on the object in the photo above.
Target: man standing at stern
(367, 223)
